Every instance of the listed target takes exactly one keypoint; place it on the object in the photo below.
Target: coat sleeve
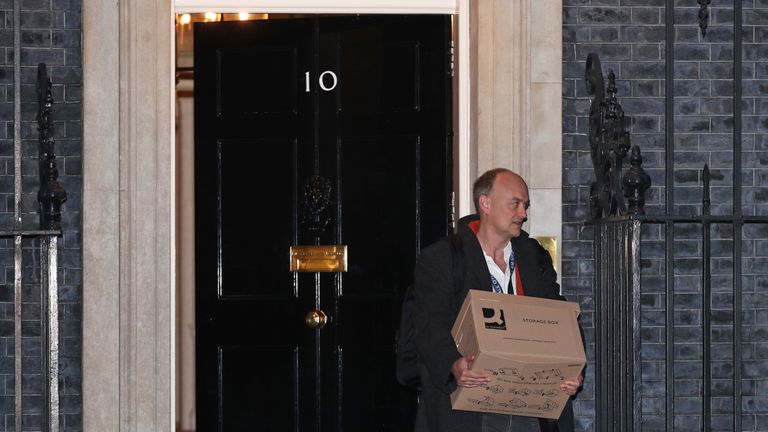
(435, 312)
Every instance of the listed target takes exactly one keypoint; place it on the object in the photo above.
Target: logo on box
(494, 319)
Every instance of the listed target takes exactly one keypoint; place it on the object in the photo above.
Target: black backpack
(407, 359)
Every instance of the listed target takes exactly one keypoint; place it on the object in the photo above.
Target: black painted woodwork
(382, 139)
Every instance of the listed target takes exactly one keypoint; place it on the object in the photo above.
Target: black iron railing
(617, 249)
(51, 196)
(617, 254)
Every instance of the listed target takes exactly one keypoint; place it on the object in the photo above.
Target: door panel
(373, 405)
(248, 401)
(380, 139)
(378, 212)
(259, 90)
(237, 177)
(400, 83)
(391, 79)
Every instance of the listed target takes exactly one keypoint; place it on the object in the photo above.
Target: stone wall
(50, 32)
(629, 36)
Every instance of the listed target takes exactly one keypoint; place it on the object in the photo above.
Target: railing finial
(609, 143)
(51, 194)
(636, 182)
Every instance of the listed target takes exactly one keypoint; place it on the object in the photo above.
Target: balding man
(496, 255)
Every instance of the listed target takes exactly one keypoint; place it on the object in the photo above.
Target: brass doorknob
(316, 319)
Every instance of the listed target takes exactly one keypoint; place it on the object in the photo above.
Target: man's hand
(572, 385)
(464, 376)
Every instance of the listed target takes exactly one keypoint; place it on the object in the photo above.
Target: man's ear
(485, 205)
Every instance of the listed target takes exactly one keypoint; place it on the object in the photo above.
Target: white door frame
(314, 6)
(129, 197)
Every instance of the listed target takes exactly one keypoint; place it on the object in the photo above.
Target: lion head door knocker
(316, 205)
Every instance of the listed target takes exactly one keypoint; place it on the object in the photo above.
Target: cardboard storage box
(527, 345)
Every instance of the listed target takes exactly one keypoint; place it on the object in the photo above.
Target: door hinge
(452, 212)
(453, 63)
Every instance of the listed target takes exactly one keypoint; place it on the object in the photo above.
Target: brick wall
(629, 36)
(50, 33)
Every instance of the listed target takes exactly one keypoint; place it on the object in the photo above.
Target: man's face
(507, 204)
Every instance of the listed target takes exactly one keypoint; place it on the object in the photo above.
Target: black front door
(324, 131)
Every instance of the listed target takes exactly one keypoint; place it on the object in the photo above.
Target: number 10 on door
(322, 81)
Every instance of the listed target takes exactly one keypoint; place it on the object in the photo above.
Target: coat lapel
(526, 265)
(478, 276)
